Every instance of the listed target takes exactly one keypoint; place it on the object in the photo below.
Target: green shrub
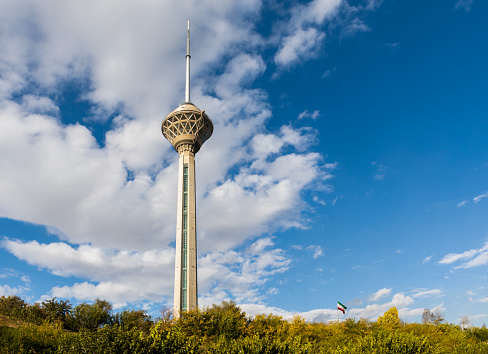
(30, 338)
(222, 328)
(389, 342)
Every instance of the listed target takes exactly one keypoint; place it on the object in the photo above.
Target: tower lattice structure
(186, 128)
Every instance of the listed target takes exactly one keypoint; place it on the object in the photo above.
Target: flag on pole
(341, 307)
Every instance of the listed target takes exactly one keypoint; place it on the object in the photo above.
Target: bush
(479, 334)
(29, 338)
(389, 342)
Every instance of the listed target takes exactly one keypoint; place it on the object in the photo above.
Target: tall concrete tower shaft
(186, 128)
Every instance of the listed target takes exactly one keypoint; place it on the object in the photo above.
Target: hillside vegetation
(54, 326)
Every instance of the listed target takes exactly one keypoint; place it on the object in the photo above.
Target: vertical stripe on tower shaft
(184, 285)
(186, 289)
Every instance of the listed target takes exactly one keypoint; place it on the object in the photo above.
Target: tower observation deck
(186, 128)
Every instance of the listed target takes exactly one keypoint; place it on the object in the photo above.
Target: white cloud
(6, 290)
(116, 230)
(36, 104)
(477, 317)
(379, 294)
(58, 175)
(427, 259)
(380, 171)
(426, 293)
(272, 291)
(304, 38)
(373, 311)
(238, 275)
(317, 315)
(306, 114)
(478, 198)
(317, 251)
(373, 4)
(462, 203)
(334, 201)
(356, 25)
(302, 45)
(463, 4)
(121, 277)
(328, 72)
(476, 257)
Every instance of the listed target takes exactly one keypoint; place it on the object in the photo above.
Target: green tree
(227, 320)
(12, 306)
(57, 310)
(86, 316)
(129, 319)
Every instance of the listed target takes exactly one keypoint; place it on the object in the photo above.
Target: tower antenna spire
(188, 56)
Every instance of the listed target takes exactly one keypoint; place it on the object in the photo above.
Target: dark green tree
(86, 316)
(129, 319)
(57, 310)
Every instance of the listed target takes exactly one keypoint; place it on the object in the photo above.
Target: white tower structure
(186, 128)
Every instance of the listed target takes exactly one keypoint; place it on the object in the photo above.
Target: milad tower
(186, 128)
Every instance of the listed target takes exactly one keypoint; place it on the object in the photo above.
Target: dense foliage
(54, 326)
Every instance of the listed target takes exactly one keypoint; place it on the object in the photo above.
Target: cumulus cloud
(304, 44)
(472, 258)
(372, 311)
(239, 275)
(120, 276)
(304, 38)
(123, 277)
(117, 195)
(6, 290)
(110, 197)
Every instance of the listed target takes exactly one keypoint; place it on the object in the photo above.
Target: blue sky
(349, 159)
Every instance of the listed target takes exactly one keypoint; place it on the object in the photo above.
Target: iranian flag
(341, 307)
